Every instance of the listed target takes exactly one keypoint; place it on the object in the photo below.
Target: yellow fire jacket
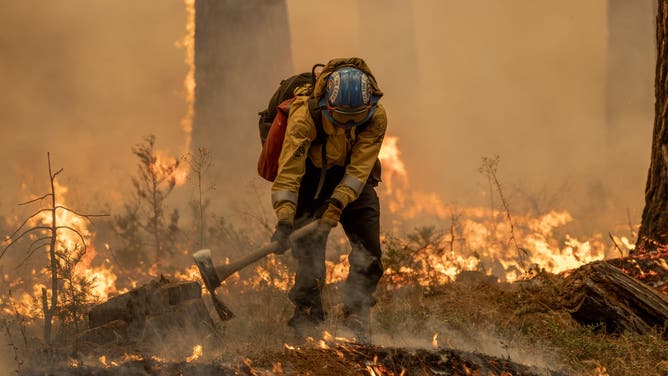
(363, 148)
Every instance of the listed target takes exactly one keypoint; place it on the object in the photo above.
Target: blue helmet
(348, 100)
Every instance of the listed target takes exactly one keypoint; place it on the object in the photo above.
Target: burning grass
(445, 295)
(475, 293)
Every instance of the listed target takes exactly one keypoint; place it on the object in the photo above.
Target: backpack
(274, 119)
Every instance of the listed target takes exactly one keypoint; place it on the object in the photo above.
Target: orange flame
(197, 353)
(480, 236)
(189, 83)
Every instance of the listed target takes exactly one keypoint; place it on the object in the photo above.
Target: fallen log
(601, 294)
(649, 268)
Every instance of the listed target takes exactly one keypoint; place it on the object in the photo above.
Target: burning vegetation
(466, 290)
(482, 290)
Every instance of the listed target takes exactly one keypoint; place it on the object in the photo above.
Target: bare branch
(621, 253)
(31, 251)
(35, 199)
(74, 231)
(42, 238)
(26, 221)
(87, 216)
(22, 235)
(56, 174)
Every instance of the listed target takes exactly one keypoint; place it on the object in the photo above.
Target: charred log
(601, 294)
(649, 268)
(148, 314)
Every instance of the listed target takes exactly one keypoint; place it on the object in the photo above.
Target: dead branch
(489, 168)
(74, 231)
(26, 221)
(22, 325)
(22, 235)
(36, 199)
(17, 358)
(87, 216)
(621, 253)
(32, 251)
(37, 240)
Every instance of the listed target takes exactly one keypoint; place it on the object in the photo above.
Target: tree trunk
(49, 311)
(242, 52)
(653, 232)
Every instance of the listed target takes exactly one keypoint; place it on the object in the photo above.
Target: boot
(358, 321)
(305, 321)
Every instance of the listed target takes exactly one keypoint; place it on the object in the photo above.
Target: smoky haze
(85, 81)
(526, 80)
(529, 81)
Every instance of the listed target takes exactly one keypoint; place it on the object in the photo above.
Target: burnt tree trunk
(654, 226)
(242, 52)
(601, 294)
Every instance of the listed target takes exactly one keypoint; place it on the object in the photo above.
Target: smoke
(528, 81)
(543, 84)
(85, 81)
(480, 341)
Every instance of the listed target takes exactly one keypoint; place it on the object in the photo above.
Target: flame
(434, 341)
(189, 83)
(323, 345)
(479, 237)
(131, 358)
(105, 281)
(189, 86)
(197, 353)
(102, 272)
(395, 177)
(337, 272)
(69, 239)
(189, 274)
(163, 168)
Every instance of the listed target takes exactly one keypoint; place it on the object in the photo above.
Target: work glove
(332, 212)
(282, 235)
(329, 215)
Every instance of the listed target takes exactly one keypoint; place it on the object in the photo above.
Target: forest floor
(473, 326)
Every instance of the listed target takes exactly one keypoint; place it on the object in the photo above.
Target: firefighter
(333, 181)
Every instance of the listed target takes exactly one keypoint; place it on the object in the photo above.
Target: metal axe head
(204, 263)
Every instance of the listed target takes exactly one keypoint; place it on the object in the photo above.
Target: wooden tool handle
(225, 271)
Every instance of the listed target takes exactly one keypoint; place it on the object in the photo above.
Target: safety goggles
(348, 118)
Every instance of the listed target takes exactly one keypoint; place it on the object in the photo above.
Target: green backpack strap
(321, 138)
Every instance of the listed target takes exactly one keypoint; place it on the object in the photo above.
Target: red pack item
(267, 164)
